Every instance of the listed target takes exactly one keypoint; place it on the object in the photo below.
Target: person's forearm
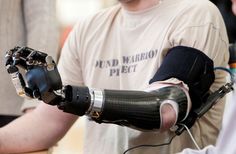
(18, 136)
(34, 131)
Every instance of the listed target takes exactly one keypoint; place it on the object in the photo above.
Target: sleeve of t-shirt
(207, 34)
(207, 38)
(69, 63)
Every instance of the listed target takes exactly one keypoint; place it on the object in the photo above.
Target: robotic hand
(42, 75)
(136, 109)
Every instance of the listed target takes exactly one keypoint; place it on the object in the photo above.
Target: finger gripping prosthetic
(136, 109)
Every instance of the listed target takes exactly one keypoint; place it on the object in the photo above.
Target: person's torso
(123, 50)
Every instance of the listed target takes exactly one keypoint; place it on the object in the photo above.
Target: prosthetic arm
(136, 109)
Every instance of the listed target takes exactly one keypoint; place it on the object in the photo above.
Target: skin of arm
(37, 130)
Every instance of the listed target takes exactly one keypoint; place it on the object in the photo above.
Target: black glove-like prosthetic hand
(41, 75)
(136, 109)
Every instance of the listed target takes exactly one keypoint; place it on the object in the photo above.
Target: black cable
(148, 145)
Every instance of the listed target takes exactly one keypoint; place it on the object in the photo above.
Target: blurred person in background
(24, 23)
(132, 28)
(225, 7)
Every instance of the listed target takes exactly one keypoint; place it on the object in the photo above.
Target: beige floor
(72, 143)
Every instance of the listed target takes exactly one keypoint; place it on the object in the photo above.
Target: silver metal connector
(97, 100)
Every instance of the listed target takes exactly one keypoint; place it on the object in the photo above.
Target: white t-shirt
(118, 49)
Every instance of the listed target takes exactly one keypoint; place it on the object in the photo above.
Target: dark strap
(191, 66)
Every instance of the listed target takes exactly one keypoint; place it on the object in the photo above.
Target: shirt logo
(125, 64)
